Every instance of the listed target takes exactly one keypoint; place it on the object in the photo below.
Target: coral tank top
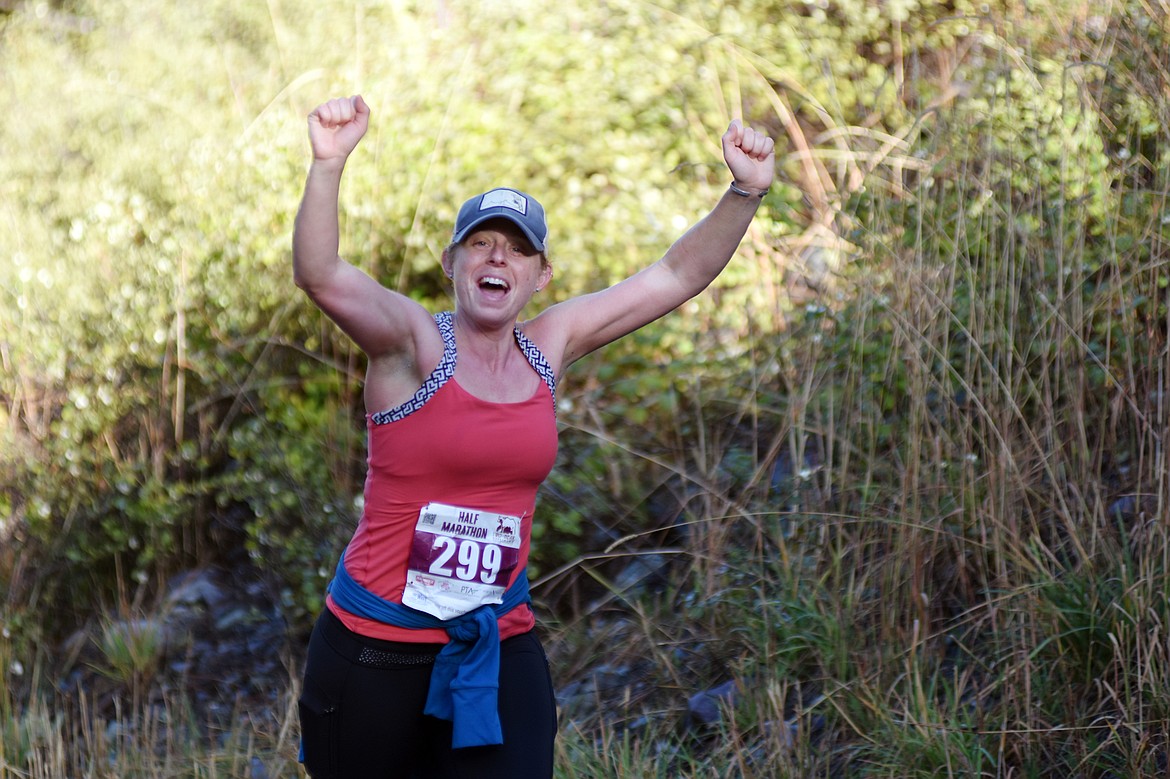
(445, 445)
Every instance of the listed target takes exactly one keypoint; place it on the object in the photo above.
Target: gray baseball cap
(503, 203)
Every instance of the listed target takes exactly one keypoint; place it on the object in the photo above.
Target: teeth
(493, 280)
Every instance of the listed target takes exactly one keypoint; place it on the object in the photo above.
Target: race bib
(460, 559)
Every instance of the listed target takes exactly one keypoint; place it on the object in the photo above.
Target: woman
(424, 662)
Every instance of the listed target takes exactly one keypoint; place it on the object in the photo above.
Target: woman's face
(496, 271)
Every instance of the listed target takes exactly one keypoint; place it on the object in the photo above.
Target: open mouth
(494, 284)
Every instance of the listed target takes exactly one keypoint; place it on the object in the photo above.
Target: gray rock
(194, 588)
(706, 707)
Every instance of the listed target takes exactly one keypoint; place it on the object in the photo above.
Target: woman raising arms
(424, 662)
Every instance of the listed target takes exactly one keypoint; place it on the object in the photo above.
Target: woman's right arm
(380, 321)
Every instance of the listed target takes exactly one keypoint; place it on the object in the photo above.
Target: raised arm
(377, 319)
(572, 329)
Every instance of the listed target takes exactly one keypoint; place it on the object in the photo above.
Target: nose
(499, 254)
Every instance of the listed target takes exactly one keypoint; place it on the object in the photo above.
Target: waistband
(374, 652)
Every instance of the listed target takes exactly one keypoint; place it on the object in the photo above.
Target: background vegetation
(900, 475)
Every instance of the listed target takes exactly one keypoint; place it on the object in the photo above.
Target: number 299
(471, 559)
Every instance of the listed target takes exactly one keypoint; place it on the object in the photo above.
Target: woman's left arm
(575, 327)
(702, 253)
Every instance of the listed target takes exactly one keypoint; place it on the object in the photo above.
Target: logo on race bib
(505, 531)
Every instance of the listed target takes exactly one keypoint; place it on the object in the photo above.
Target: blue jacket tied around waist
(465, 681)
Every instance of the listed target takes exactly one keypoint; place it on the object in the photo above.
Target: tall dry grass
(964, 572)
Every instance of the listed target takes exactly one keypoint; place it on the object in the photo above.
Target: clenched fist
(336, 127)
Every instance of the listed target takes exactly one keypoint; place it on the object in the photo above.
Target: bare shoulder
(549, 331)
(394, 375)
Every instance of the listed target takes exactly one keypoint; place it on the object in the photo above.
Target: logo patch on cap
(504, 198)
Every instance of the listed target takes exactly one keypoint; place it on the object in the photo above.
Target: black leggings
(362, 702)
